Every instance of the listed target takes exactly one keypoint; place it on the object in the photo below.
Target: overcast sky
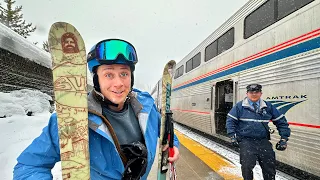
(160, 30)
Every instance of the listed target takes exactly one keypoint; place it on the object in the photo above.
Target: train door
(223, 104)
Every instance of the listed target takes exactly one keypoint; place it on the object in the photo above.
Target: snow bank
(21, 102)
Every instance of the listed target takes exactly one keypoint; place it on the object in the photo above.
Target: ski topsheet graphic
(166, 130)
(70, 89)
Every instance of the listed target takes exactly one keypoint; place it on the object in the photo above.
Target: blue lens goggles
(112, 49)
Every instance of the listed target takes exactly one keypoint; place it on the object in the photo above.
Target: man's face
(115, 82)
(254, 96)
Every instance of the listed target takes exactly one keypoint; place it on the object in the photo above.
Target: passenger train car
(275, 43)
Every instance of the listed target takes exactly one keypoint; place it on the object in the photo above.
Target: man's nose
(118, 82)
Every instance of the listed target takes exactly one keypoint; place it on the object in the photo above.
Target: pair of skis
(166, 130)
(69, 70)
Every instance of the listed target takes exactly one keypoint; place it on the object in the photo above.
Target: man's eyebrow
(106, 68)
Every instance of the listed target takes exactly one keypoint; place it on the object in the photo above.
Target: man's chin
(118, 100)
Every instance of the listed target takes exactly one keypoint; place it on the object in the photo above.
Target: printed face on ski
(115, 82)
(254, 96)
(69, 43)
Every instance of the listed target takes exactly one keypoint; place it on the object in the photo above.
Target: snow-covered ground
(16, 133)
(18, 130)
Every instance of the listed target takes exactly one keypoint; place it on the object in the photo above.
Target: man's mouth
(118, 92)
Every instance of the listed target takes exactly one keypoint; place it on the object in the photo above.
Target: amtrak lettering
(285, 103)
(288, 97)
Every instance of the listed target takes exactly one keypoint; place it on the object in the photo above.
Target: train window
(286, 7)
(259, 19)
(178, 72)
(193, 62)
(226, 41)
(211, 51)
(181, 70)
(196, 60)
(189, 65)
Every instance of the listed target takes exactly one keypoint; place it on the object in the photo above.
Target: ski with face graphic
(69, 69)
(166, 128)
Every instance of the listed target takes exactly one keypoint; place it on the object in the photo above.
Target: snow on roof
(13, 42)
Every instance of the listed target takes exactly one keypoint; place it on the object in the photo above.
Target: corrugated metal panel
(295, 68)
(303, 151)
(197, 121)
(199, 89)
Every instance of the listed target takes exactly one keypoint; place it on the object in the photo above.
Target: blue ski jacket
(37, 160)
(243, 121)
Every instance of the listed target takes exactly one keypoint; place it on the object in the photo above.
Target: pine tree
(13, 18)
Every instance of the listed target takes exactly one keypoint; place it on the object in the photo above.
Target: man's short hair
(254, 87)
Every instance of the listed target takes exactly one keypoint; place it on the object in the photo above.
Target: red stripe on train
(198, 112)
(304, 125)
(290, 123)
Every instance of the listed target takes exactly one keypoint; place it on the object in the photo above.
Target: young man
(131, 113)
(247, 126)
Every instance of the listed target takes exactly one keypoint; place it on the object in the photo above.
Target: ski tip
(66, 44)
(61, 24)
(169, 67)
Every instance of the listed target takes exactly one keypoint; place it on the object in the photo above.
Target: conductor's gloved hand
(234, 141)
(281, 145)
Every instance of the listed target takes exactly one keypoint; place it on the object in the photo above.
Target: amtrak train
(275, 43)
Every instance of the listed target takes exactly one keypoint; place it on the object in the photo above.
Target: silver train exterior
(272, 42)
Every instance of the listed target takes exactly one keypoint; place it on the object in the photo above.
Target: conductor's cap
(254, 87)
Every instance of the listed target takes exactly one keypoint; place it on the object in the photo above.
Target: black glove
(234, 141)
(281, 145)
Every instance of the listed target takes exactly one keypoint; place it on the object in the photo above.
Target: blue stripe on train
(293, 50)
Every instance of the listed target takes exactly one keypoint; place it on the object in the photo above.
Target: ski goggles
(110, 49)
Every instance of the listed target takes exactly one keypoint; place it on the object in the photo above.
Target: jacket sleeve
(232, 121)
(37, 160)
(176, 142)
(281, 122)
